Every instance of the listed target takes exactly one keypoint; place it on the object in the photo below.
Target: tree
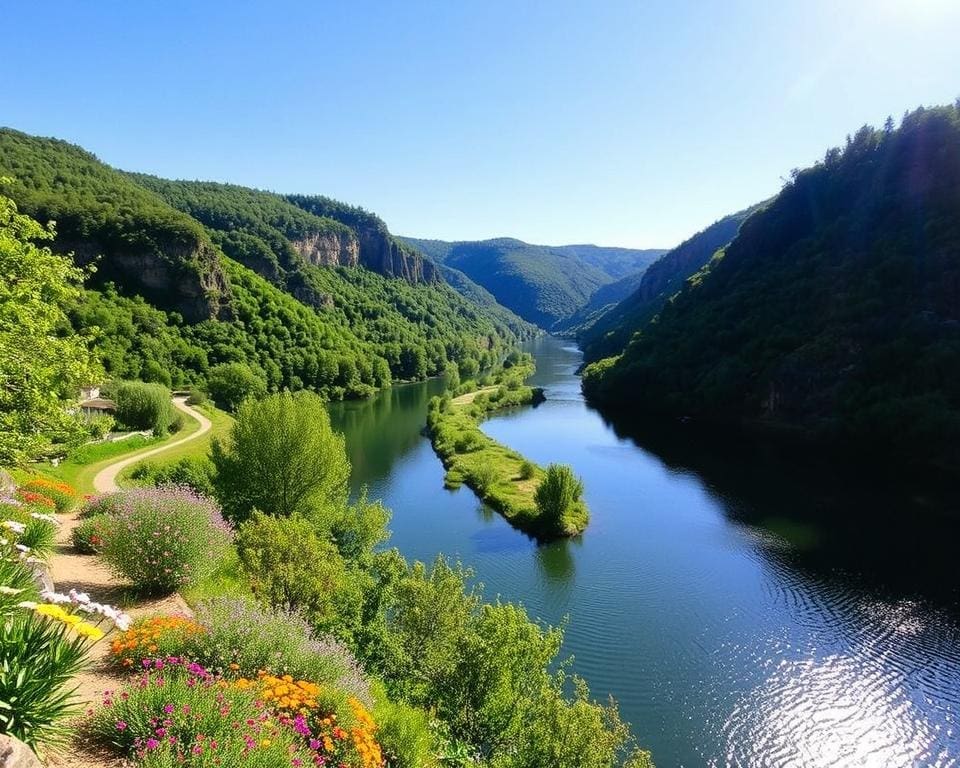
(558, 497)
(230, 384)
(42, 364)
(144, 406)
(283, 458)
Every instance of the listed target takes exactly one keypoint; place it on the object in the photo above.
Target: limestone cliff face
(184, 277)
(329, 249)
(381, 253)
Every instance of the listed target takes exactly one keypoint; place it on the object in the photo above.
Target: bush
(153, 637)
(230, 384)
(527, 470)
(100, 426)
(482, 477)
(90, 534)
(144, 406)
(194, 473)
(64, 496)
(176, 713)
(558, 497)
(292, 569)
(196, 396)
(282, 458)
(164, 538)
(404, 735)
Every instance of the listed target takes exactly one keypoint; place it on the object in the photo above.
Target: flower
(14, 526)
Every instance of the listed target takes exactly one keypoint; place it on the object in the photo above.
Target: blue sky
(607, 121)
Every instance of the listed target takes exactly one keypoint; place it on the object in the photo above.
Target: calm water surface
(744, 610)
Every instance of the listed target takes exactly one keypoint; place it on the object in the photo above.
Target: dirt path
(471, 396)
(106, 479)
(87, 573)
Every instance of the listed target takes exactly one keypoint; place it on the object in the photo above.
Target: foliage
(831, 314)
(143, 406)
(42, 363)
(528, 470)
(559, 499)
(281, 457)
(90, 533)
(163, 538)
(196, 397)
(195, 473)
(290, 567)
(232, 383)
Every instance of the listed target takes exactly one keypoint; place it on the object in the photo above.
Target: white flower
(14, 526)
(9, 591)
(79, 597)
(54, 597)
(27, 604)
(23, 548)
(44, 517)
(34, 560)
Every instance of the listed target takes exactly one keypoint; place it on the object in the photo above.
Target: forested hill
(542, 284)
(604, 333)
(834, 313)
(191, 276)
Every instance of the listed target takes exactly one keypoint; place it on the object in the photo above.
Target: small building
(91, 404)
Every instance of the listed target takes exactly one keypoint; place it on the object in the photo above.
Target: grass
(500, 476)
(221, 421)
(228, 580)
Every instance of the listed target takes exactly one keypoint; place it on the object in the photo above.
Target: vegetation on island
(833, 314)
(500, 476)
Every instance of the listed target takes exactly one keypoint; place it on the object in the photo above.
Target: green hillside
(604, 333)
(834, 313)
(190, 275)
(543, 284)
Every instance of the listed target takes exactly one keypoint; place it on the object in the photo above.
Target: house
(91, 404)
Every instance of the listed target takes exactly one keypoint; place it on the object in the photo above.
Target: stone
(15, 754)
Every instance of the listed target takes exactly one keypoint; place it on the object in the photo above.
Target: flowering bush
(90, 534)
(153, 636)
(175, 712)
(63, 495)
(163, 538)
(36, 499)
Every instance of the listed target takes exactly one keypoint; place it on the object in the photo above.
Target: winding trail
(105, 480)
(87, 573)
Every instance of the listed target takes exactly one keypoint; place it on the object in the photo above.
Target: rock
(15, 754)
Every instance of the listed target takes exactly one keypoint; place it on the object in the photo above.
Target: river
(743, 609)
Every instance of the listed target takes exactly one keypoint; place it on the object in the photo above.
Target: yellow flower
(88, 630)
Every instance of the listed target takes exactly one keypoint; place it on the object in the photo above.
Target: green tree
(230, 384)
(283, 458)
(42, 363)
(144, 406)
(559, 497)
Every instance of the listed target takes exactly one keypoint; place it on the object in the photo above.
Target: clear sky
(607, 121)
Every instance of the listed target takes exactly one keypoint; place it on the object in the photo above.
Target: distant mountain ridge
(543, 284)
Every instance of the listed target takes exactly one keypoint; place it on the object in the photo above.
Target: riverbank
(500, 476)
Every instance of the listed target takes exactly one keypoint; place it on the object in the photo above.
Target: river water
(744, 609)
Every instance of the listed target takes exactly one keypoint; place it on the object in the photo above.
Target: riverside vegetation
(312, 643)
(547, 503)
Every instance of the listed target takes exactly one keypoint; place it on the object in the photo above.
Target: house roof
(99, 404)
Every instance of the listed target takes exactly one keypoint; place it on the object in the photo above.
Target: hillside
(190, 275)
(604, 333)
(834, 313)
(543, 284)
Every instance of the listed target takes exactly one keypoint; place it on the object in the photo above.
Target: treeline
(834, 313)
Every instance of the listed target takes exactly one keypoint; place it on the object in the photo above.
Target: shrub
(196, 396)
(283, 458)
(151, 637)
(527, 470)
(98, 427)
(36, 499)
(558, 497)
(63, 495)
(230, 384)
(176, 713)
(291, 568)
(144, 406)
(482, 477)
(404, 735)
(164, 538)
(196, 473)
